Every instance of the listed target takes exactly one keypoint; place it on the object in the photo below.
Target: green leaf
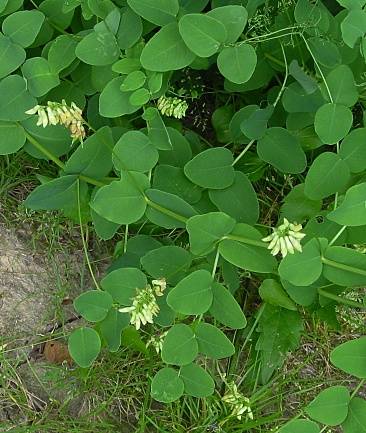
(272, 292)
(193, 294)
(197, 382)
(280, 331)
(302, 269)
(233, 17)
(326, 53)
(122, 202)
(300, 426)
(212, 342)
(302, 295)
(98, 48)
(101, 8)
(248, 257)
(12, 137)
(298, 207)
(333, 122)
(167, 210)
(351, 357)
(130, 29)
(15, 99)
(22, 27)
(353, 27)
(122, 284)
(295, 99)
(345, 266)
(221, 122)
(53, 195)
(353, 150)
(181, 186)
(341, 84)
(202, 34)
(169, 262)
(40, 78)
(53, 11)
(131, 338)
(352, 4)
(11, 56)
(167, 386)
(161, 136)
(134, 151)
(166, 51)
(225, 308)
(330, 406)
(352, 210)
(93, 305)
(239, 200)
(126, 66)
(111, 328)
(238, 63)
(140, 97)
(62, 53)
(134, 80)
(56, 140)
(211, 168)
(356, 420)
(307, 82)
(84, 346)
(254, 127)
(94, 157)
(159, 12)
(180, 346)
(281, 149)
(327, 175)
(113, 102)
(206, 230)
(236, 120)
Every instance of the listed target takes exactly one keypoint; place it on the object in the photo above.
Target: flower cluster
(172, 106)
(238, 403)
(156, 341)
(144, 306)
(55, 113)
(285, 238)
(159, 286)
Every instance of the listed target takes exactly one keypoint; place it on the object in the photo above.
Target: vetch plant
(193, 208)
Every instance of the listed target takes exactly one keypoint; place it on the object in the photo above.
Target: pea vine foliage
(290, 106)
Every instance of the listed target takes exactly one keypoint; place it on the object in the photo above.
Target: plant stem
(341, 300)
(125, 239)
(45, 151)
(58, 162)
(215, 263)
(337, 235)
(344, 267)
(246, 240)
(358, 387)
(83, 239)
(244, 151)
(166, 211)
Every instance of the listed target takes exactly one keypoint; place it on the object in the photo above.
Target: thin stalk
(344, 267)
(45, 151)
(246, 240)
(358, 387)
(166, 211)
(341, 300)
(83, 239)
(337, 235)
(243, 152)
(215, 263)
(125, 239)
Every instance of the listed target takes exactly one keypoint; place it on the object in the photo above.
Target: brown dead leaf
(57, 352)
